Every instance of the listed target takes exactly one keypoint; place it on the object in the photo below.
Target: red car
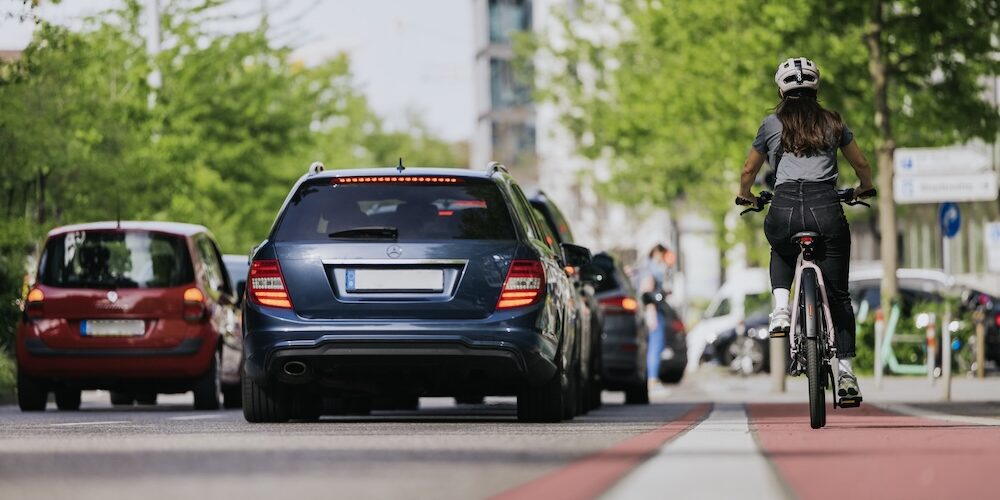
(137, 308)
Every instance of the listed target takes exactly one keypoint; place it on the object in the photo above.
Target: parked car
(745, 349)
(592, 321)
(738, 297)
(403, 283)
(137, 308)
(624, 338)
(238, 267)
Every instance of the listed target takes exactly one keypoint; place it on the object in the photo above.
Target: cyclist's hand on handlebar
(747, 199)
(864, 191)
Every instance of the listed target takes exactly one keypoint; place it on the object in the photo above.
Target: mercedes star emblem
(394, 251)
(112, 296)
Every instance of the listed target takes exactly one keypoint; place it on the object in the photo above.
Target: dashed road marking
(195, 417)
(103, 422)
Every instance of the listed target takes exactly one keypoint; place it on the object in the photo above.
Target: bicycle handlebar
(846, 196)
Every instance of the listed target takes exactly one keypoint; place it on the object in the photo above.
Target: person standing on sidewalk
(656, 279)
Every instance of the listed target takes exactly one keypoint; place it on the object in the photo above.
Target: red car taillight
(678, 326)
(266, 286)
(194, 305)
(33, 304)
(619, 305)
(524, 285)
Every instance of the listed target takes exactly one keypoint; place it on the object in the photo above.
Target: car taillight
(396, 179)
(619, 305)
(677, 325)
(524, 285)
(266, 286)
(33, 304)
(194, 305)
(996, 320)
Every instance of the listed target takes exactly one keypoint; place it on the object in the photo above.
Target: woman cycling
(800, 140)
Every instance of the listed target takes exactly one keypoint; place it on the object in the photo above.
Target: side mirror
(241, 290)
(591, 274)
(575, 255)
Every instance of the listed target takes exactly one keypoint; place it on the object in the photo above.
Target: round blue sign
(950, 218)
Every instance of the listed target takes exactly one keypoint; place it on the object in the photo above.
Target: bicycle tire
(814, 363)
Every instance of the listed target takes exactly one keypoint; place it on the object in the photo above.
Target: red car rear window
(116, 259)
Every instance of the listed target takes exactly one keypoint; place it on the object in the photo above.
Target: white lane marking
(195, 417)
(104, 422)
(717, 459)
(913, 411)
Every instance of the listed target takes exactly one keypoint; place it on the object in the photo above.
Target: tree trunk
(41, 198)
(884, 148)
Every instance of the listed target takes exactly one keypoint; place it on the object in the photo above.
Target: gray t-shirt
(821, 167)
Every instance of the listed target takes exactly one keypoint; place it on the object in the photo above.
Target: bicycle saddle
(797, 239)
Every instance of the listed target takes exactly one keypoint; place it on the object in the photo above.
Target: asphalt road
(694, 441)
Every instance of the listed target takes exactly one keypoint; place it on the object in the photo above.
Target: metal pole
(980, 318)
(779, 361)
(946, 353)
(879, 355)
(931, 346)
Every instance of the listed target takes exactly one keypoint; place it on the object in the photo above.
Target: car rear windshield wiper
(374, 232)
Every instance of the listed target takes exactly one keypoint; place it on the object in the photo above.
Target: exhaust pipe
(294, 368)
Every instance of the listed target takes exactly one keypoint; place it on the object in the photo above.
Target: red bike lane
(871, 453)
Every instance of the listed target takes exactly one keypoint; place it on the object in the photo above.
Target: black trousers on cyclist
(814, 206)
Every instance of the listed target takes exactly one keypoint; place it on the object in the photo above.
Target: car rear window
(116, 259)
(462, 209)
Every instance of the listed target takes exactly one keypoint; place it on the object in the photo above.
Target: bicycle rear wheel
(814, 362)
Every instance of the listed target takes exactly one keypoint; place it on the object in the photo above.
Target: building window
(514, 143)
(508, 17)
(508, 88)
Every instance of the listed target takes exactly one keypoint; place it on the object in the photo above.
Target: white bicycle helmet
(797, 73)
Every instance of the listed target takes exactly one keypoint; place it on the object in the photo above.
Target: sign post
(950, 219)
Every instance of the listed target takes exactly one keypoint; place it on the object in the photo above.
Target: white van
(726, 310)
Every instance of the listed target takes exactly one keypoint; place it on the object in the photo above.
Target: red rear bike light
(194, 305)
(678, 326)
(266, 286)
(524, 285)
(619, 305)
(996, 320)
(396, 179)
(33, 303)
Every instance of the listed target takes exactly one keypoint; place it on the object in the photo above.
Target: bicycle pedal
(849, 402)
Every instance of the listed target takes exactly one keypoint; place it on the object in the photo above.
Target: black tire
(68, 399)
(637, 394)
(594, 395)
(122, 398)
(232, 396)
(264, 404)
(814, 363)
(208, 389)
(672, 376)
(542, 403)
(306, 407)
(146, 398)
(571, 393)
(32, 392)
(470, 399)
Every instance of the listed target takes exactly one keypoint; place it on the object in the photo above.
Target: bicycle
(811, 321)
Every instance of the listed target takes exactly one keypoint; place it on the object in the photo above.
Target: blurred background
(634, 116)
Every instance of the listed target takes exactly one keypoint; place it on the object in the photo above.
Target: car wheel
(594, 395)
(473, 399)
(637, 394)
(67, 399)
(570, 392)
(672, 376)
(208, 389)
(32, 392)
(146, 398)
(263, 404)
(542, 403)
(122, 398)
(232, 396)
(306, 407)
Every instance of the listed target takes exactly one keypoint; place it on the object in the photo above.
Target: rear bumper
(492, 356)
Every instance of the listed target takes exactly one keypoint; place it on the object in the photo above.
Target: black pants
(813, 206)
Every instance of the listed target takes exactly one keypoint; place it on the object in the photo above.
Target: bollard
(946, 354)
(980, 319)
(931, 346)
(779, 364)
(879, 359)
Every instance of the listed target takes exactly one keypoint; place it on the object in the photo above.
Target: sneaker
(781, 321)
(848, 386)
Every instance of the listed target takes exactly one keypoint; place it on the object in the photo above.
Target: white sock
(780, 298)
(844, 365)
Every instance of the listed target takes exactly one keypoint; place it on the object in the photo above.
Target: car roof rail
(315, 168)
(495, 166)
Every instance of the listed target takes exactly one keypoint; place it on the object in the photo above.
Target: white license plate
(112, 328)
(395, 280)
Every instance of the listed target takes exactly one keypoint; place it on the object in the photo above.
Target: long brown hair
(806, 127)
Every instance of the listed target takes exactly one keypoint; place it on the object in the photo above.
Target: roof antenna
(400, 168)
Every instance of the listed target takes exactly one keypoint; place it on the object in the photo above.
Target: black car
(409, 282)
(624, 338)
(745, 350)
(589, 311)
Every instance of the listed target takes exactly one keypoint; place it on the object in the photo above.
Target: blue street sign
(950, 218)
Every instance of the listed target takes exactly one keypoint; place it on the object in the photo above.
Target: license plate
(395, 280)
(112, 328)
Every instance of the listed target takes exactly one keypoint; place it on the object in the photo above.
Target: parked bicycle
(812, 343)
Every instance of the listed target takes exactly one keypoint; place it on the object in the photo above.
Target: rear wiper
(374, 232)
